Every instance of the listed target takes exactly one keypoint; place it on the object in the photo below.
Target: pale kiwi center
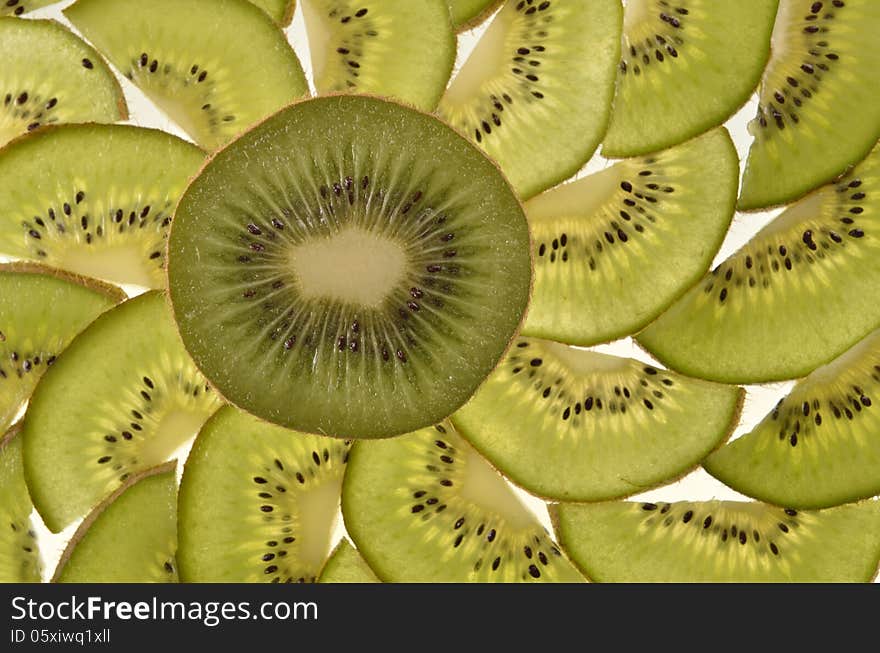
(487, 58)
(318, 508)
(582, 198)
(175, 428)
(583, 361)
(636, 13)
(318, 35)
(122, 264)
(485, 488)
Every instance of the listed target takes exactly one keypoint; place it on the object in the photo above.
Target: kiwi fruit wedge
(122, 398)
(818, 111)
(470, 13)
(403, 50)
(536, 91)
(720, 541)
(108, 219)
(20, 7)
(345, 565)
(281, 11)
(614, 249)
(19, 554)
(796, 296)
(50, 76)
(189, 57)
(607, 426)
(686, 66)
(130, 537)
(355, 281)
(258, 503)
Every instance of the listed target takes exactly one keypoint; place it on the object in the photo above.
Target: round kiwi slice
(345, 565)
(19, 556)
(720, 541)
(121, 398)
(818, 111)
(426, 507)
(258, 503)
(614, 249)
(281, 11)
(355, 281)
(50, 76)
(687, 66)
(606, 426)
(20, 7)
(107, 219)
(404, 50)
(130, 537)
(470, 13)
(536, 91)
(190, 58)
(797, 295)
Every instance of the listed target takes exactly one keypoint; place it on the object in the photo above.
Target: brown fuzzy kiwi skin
(10, 434)
(114, 293)
(288, 14)
(479, 18)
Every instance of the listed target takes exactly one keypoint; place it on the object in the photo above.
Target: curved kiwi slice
(469, 13)
(355, 281)
(536, 91)
(687, 66)
(122, 398)
(19, 556)
(404, 50)
(818, 111)
(797, 295)
(614, 249)
(20, 7)
(258, 503)
(281, 11)
(50, 76)
(189, 57)
(345, 565)
(130, 537)
(606, 426)
(426, 507)
(108, 218)
(720, 541)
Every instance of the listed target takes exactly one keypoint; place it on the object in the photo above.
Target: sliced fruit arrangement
(281, 11)
(614, 249)
(819, 111)
(258, 503)
(345, 565)
(108, 219)
(404, 50)
(469, 13)
(536, 91)
(720, 541)
(189, 58)
(97, 418)
(686, 66)
(50, 76)
(797, 295)
(19, 555)
(20, 7)
(131, 537)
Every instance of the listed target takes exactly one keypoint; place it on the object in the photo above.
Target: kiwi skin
(30, 267)
(480, 17)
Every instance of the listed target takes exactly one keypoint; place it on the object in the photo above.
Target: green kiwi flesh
(189, 57)
(615, 249)
(108, 218)
(606, 426)
(19, 7)
(19, 555)
(345, 565)
(536, 92)
(469, 13)
(258, 503)
(358, 281)
(818, 111)
(131, 537)
(426, 507)
(403, 50)
(797, 295)
(720, 541)
(49, 76)
(122, 398)
(281, 11)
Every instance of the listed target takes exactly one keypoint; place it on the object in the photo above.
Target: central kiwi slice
(19, 556)
(345, 565)
(349, 267)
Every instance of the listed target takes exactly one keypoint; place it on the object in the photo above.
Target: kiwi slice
(50, 76)
(470, 13)
(19, 7)
(818, 111)
(122, 398)
(536, 91)
(345, 565)
(19, 556)
(720, 541)
(189, 57)
(258, 503)
(404, 50)
(797, 295)
(107, 219)
(354, 281)
(41, 310)
(614, 249)
(281, 11)
(130, 538)
(687, 66)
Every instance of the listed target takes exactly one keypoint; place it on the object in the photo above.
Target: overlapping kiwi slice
(357, 280)
(468, 13)
(20, 7)
(189, 57)
(720, 541)
(19, 555)
(107, 212)
(818, 111)
(797, 295)
(49, 76)
(281, 11)
(614, 249)
(345, 565)
(536, 92)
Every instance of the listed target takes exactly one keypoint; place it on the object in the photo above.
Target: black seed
(687, 516)
(649, 506)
